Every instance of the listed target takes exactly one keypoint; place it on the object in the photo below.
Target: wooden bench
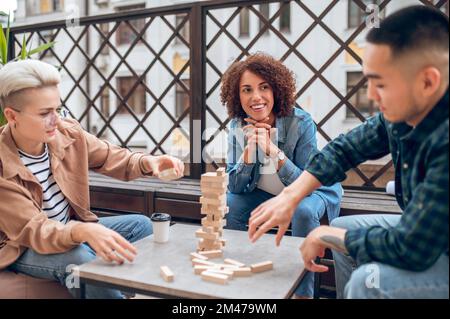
(181, 198)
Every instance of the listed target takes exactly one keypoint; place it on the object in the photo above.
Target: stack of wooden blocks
(214, 205)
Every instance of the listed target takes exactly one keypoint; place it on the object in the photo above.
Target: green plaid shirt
(420, 156)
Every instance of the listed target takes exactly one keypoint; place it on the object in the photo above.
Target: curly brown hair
(277, 75)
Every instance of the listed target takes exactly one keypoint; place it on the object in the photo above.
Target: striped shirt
(54, 203)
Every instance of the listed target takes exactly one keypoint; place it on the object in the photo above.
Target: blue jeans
(306, 217)
(377, 280)
(58, 266)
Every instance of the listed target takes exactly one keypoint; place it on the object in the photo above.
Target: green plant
(24, 53)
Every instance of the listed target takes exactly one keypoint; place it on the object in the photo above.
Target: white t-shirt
(54, 203)
(269, 181)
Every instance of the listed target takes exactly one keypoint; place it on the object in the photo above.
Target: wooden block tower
(214, 206)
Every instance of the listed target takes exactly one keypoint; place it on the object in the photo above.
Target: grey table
(143, 275)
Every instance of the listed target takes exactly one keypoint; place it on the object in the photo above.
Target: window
(359, 100)
(265, 12)
(137, 100)
(356, 15)
(104, 29)
(36, 7)
(58, 5)
(244, 22)
(181, 99)
(285, 18)
(184, 32)
(124, 34)
(104, 102)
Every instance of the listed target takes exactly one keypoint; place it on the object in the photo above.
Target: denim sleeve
(240, 173)
(305, 145)
(367, 141)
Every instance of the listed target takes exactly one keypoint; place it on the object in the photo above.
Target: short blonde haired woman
(45, 222)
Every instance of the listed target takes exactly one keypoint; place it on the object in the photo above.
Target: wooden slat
(181, 198)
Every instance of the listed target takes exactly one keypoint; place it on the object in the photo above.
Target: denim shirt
(296, 137)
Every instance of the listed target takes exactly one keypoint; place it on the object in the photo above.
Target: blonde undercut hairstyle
(17, 77)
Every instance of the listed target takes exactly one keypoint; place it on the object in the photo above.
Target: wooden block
(216, 278)
(216, 211)
(198, 256)
(168, 175)
(226, 266)
(221, 171)
(214, 194)
(211, 253)
(213, 187)
(262, 266)
(242, 272)
(233, 262)
(216, 224)
(201, 234)
(166, 273)
(213, 202)
(227, 272)
(201, 262)
(212, 177)
(201, 268)
(208, 229)
(205, 244)
(223, 242)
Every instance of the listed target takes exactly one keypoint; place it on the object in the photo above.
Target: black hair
(412, 28)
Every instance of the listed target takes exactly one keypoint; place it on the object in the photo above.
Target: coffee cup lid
(160, 217)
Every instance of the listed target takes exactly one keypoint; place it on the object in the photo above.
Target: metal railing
(200, 18)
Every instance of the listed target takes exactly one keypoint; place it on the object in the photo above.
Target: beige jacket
(72, 154)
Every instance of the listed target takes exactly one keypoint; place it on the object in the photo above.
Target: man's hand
(107, 244)
(315, 243)
(277, 211)
(157, 164)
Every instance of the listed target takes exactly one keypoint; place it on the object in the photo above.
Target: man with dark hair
(406, 63)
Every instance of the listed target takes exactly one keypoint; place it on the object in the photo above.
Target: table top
(144, 272)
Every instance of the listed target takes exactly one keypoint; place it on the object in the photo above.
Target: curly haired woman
(270, 141)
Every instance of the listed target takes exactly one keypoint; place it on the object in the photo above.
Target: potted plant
(24, 54)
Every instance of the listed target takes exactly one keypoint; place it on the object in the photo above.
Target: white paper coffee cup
(161, 227)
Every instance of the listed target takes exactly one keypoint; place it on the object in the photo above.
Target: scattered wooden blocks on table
(233, 262)
(214, 277)
(262, 266)
(241, 272)
(168, 175)
(166, 273)
(211, 253)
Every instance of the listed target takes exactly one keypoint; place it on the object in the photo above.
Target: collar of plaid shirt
(436, 116)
